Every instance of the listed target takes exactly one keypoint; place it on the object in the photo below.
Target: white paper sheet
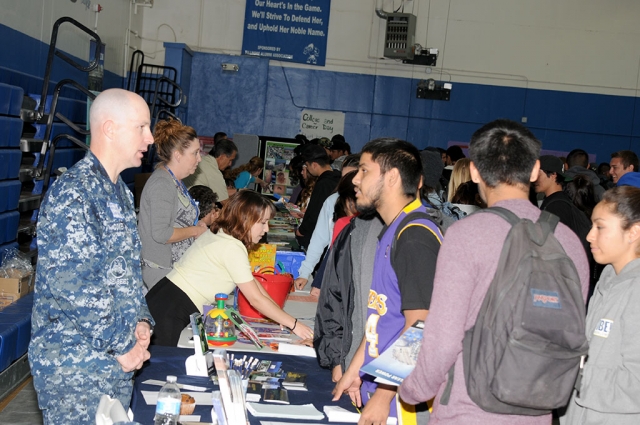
(291, 411)
(181, 386)
(296, 349)
(287, 423)
(340, 414)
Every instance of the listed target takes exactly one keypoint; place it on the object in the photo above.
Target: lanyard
(183, 189)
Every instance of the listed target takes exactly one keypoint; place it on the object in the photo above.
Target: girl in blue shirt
(248, 173)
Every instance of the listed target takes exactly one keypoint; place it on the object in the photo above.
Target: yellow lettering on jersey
(371, 302)
(378, 302)
(371, 334)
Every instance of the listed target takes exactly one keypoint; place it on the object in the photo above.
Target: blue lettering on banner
(546, 299)
(291, 30)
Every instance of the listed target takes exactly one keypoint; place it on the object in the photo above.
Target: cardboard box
(12, 289)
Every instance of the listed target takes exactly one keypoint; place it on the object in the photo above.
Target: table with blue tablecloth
(170, 361)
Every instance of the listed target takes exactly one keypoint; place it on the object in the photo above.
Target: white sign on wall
(316, 124)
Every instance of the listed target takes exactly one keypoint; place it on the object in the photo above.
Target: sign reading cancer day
(316, 124)
(290, 30)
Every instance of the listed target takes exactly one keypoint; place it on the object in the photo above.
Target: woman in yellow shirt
(217, 262)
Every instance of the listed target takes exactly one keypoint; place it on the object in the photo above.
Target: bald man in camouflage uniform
(90, 323)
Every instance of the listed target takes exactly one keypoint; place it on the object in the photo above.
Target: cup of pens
(244, 367)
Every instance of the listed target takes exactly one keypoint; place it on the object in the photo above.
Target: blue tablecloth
(170, 361)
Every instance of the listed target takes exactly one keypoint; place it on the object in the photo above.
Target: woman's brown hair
(171, 135)
(256, 163)
(242, 211)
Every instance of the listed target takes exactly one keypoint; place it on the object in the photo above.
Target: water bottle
(168, 405)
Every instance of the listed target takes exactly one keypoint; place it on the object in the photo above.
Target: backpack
(522, 356)
(443, 213)
(452, 211)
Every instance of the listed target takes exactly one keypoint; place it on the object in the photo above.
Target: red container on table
(276, 285)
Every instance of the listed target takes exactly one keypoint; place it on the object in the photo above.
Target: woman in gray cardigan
(609, 392)
(168, 220)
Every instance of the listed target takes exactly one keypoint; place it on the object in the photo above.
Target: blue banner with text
(290, 30)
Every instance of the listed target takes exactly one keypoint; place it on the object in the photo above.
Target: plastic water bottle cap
(172, 379)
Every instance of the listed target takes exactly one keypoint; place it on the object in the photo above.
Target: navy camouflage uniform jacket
(88, 296)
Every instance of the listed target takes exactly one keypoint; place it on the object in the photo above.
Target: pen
(354, 405)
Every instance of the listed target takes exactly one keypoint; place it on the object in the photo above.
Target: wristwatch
(148, 322)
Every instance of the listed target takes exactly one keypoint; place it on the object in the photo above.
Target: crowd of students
(367, 300)
(375, 275)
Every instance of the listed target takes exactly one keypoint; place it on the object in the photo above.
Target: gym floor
(21, 406)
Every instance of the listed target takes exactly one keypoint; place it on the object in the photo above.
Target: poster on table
(316, 124)
(290, 30)
(276, 168)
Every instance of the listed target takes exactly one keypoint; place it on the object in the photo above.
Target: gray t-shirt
(364, 240)
(163, 207)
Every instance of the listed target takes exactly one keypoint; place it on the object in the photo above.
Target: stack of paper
(305, 411)
(296, 349)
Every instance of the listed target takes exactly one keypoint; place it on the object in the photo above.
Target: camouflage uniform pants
(74, 399)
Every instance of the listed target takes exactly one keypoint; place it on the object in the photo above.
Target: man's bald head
(120, 130)
(112, 104)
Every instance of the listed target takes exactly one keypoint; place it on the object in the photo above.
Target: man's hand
(349, 384)
(376, 411)
(300, 283)
(143, 334)
(315, 292)
(134, 359)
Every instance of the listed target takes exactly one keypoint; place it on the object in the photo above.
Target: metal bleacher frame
(157, 80)
(41, 171)
(157, 85)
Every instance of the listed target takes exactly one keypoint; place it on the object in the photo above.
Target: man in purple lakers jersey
(387, 183)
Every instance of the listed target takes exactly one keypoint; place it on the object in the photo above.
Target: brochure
(395, 363)
(244, 327)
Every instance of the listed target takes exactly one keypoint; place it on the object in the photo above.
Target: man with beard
(387, 182)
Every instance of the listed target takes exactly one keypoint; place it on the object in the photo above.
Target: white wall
(574, 45)
(36, 18)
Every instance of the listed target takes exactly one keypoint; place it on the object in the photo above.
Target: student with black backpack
(483, 355)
